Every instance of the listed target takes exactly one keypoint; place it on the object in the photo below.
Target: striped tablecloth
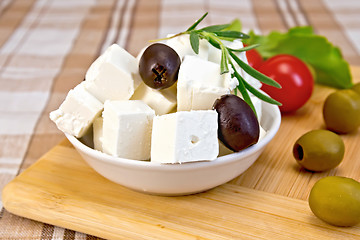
(47, 46)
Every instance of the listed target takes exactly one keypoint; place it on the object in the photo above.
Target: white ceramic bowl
(180, 179)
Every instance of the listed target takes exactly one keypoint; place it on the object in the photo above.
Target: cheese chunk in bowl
(180, 179)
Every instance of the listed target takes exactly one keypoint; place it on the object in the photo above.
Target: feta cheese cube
(185, 137)
(127, 129)
(98, 133)
(262, 133)
(113, 75)
(78, 111)
(200, 83)
(162, 101)
(204, 97)
(182, 47)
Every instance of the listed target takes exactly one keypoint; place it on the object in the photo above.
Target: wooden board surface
(276, 170)
(268, 201)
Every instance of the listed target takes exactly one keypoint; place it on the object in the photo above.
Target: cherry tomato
(295, 78)
(254, 58)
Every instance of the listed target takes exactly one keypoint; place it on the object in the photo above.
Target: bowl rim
(146, 165)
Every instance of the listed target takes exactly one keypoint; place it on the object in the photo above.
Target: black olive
(238, 124)
(159, 66)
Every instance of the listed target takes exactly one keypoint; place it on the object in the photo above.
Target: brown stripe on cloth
(17, 38)
(292, 12)
(268, 15)
(11, 16)
(19, 228)
(299, 13)
(220, 13)
(17, 135)
(47, 232)
(144, 25)
(69, 234)
(325, 24)
(123, 26)
(118, 25)
(177, 16)
(4, 6)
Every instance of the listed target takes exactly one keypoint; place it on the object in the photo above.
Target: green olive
(319, 150)
(336, 200)
(356, 88)
(341, 111)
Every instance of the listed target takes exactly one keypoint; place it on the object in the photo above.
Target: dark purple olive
(238, 124)
(159, 66)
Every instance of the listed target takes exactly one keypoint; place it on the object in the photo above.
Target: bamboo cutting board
(268, 201)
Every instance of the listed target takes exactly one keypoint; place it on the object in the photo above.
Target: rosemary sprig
(244, 49)
(192, 27)
(242, 88)
(194, 41)
(215, 34)
(215, 28)
(224, 66)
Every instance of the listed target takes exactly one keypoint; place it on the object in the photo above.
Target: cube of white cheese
(113, 75)
(182, 47)
(204, 97)
(162, 101)
(127, 129)
(262, 133)
(78, 111)
(200, 83)
(185, 137)
(98, 133)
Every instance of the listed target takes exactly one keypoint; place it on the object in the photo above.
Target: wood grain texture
(276, 171)
(268, 201)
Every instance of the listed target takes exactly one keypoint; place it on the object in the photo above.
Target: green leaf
(301, 30)
(242, 89)
(192, 27)
(224, 67)
(215, 28)
(330, 67)
(254, 73)
(235, 25)
(232, 34)
(247, 48)
(214, 43)
(194, 41)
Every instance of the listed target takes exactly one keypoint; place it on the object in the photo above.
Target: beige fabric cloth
(47, 46)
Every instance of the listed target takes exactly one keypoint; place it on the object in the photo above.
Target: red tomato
(295, 78)
(254, 58)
